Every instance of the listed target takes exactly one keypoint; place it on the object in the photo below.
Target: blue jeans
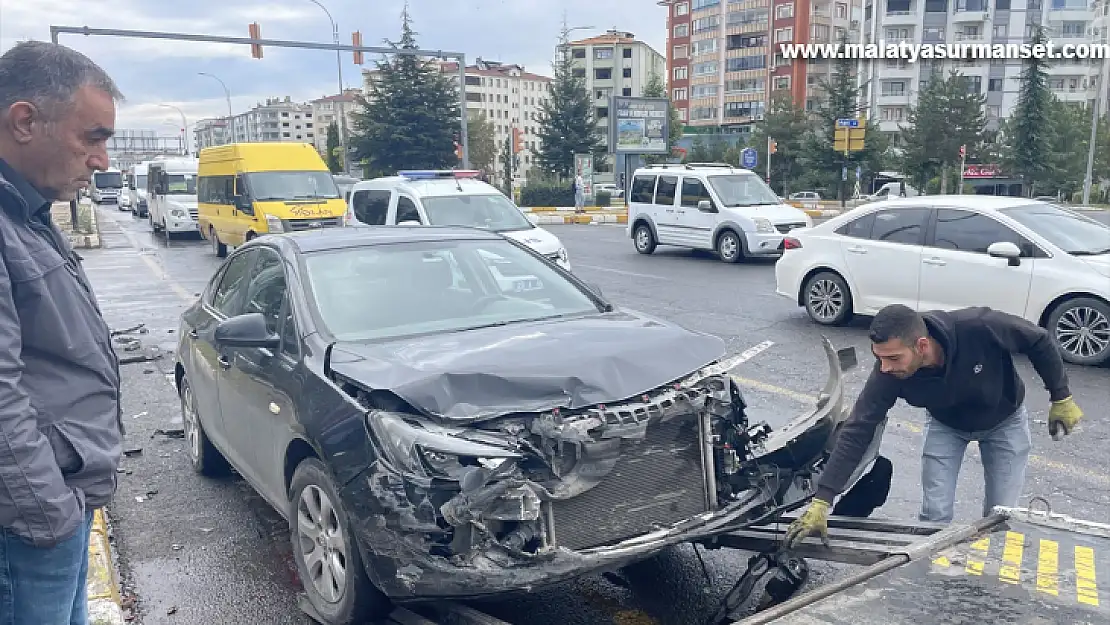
(1005, 453)
(44, 586)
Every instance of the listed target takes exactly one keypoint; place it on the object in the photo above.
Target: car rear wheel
(827, 299)
(644, 239)
(326, 552)
(1080, 327)
(729, 247)
(206, 459)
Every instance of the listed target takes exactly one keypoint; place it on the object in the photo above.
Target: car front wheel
(1080, 327)
(827, 299)
(326, 552)
(729, 247)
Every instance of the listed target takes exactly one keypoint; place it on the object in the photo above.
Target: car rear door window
(900, 225)
(968, 231)
(370, 206)
(643, 187)
(665, 192)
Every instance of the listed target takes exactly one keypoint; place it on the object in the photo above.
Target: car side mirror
(247, 330)
(706, 206)
(1007, 250)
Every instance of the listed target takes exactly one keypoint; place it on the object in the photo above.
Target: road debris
(170, 433)
(133, 451)
(141, 329)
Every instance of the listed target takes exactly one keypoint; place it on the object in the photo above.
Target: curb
(104, 600)
(551, 220)
(822, 212)
(588, 209)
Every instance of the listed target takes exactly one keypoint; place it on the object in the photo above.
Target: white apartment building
(327, 110)
(278, 119)
(614, 64)
(892, 86)
(210, 132)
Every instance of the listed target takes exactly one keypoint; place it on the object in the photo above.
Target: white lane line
(753, 351)
(621, 272)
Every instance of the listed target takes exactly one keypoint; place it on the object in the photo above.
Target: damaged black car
(439, 412)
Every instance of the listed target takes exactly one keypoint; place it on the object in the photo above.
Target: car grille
(311, 224)
(656, 481)
(194, 213)
(784, 228)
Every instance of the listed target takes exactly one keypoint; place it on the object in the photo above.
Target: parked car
(613, 190)
(709, 207)
(1040, 261)
(449, 197)
(428, 434)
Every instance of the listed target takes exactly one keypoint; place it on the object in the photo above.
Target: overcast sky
(150, 72)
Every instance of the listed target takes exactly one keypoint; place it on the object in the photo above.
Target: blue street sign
(749, 158)
(847, 123)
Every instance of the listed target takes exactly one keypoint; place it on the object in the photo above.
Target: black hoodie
(975, 389)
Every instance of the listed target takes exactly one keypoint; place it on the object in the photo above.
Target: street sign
(844, 173)
(749, 158)
(849, 135)
(847, 123)
(859, 171)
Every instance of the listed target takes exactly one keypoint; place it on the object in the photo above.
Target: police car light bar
(429, 174)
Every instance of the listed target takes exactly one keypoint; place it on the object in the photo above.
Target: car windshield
(108, 179)
(490, 212)
(1066, 229)
(742, 190)
(181, 184)
(291, 185)
(404, 289)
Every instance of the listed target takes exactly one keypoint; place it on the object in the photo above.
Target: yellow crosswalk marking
(975, 565)
(1011, 558)
(1086, 588)
(942, 561)
(1047, 566)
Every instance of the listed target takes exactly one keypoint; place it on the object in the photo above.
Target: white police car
(448, 198)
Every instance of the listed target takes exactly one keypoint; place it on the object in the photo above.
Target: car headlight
(273, 224)
(762, 224)
(177, 212)
(433, 451)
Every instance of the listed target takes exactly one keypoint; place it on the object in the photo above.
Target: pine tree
(1027, 130)
(1068, 142)
(410, 118)
(948, 104)
(333, 149)
(786, 124)
(656, 89)
(566, 122)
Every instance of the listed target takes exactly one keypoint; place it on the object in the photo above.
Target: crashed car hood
(529, 367)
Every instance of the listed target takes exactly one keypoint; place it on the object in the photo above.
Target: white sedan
(1036, 260)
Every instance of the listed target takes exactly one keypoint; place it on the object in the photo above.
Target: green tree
(334, 152)
(507, 165)
(786, 124)
(1027, 130)
(1068, 147)
(821, 162)
(410, 118)
(655, 88)
(566, 122)
(949, 104)
(482, 143)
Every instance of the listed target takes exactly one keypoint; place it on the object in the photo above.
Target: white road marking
(754, 351)
(622, 272)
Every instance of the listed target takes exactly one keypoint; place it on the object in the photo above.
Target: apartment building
(328, 110)
(723, 57)
(614, 64)
(896, 84)
(277, 119)
(210, 132)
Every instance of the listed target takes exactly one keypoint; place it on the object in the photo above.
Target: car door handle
(857, 249)
(224, 362)
(193, 333)
(935, 261)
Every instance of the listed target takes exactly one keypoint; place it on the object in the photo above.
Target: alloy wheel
(643, 238)
(1084, 332)
(323, 550)
(190, 422)
(729, 246)
(825, 299)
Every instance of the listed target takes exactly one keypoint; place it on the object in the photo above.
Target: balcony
(901, 18)
(969, 36)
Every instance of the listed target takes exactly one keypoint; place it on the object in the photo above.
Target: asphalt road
(198, 550)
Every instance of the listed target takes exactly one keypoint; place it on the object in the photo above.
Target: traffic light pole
(55, 31)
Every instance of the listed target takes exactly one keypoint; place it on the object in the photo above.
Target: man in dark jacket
(958, 366)
(60, 425)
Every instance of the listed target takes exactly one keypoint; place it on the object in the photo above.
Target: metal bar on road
(401, 616)
(451, 613)
(281, 43)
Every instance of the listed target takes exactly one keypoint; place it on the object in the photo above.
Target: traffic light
(458, 150)
(256, 33)
(518, 140)
(772, 146)
(356, 40)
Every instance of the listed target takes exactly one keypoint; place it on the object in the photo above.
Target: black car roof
(327, 239)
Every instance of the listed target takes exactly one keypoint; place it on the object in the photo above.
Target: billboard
(639, 125)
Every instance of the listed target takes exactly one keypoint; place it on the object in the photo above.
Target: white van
(106, 186)
(448, 198)
(172, 195)
(136, 188)
(892, 190)
(709, 207)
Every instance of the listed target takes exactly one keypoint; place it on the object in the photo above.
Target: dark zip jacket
(975, 389)
(60, 426)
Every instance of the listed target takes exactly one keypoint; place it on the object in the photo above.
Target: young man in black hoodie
(959, 366)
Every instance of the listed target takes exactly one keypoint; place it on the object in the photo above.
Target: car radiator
(657, 480)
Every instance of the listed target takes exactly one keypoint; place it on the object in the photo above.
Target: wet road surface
(200, 550)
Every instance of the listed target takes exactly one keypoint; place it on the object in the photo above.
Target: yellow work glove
(1063, 417)
(815, 520)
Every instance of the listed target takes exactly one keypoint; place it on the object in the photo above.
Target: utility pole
(1088, 180)
(227, 94)
(341, 109)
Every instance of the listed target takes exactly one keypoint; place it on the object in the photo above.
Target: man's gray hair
(49, 75)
